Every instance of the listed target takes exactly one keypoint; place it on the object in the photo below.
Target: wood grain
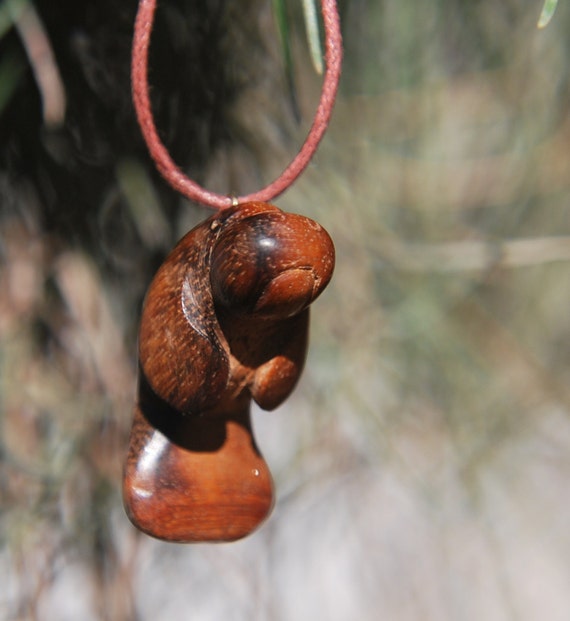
(225, 320)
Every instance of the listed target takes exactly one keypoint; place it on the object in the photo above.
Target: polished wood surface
(195, 478)
(225, 320)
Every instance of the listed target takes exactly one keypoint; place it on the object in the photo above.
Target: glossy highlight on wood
(225, 321)
(195, 478)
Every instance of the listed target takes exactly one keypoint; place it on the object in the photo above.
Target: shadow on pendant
(193, 478)
(201, 432)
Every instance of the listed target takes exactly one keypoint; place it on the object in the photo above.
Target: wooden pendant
(225, 321)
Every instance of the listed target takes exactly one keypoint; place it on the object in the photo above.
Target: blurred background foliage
(421, 466)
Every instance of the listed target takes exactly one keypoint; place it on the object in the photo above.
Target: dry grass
(422, 464)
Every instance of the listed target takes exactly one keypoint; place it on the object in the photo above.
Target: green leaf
(12, 67)
(9, 13)
(547, 13)
(280, 13)
(313, 34)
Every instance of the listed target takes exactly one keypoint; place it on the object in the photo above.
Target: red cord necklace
(225, 321)
(172, 173)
